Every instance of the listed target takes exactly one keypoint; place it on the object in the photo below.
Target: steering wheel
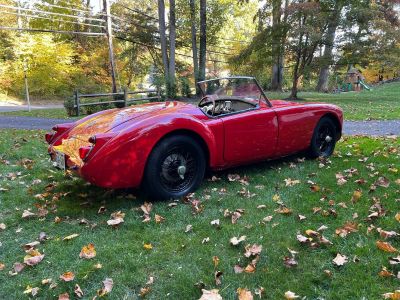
(212, 99)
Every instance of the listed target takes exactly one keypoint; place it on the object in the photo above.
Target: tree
(194, 42)
(172, 40)
(305, 36)
(203, 40)
(327, 59)
(163, 40)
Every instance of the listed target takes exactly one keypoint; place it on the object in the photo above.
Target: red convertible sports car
(165, 148)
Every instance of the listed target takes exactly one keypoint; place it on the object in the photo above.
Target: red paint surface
(126, 137)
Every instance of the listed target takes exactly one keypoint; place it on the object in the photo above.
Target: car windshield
(245, 88)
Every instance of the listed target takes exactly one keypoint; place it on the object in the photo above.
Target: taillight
(58, 131)
(84, 152)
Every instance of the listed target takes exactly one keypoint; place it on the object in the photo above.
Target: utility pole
(107, 10)
(25, 66)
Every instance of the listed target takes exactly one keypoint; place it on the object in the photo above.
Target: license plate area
(59, 160)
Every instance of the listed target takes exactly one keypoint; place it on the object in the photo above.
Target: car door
(251, 135)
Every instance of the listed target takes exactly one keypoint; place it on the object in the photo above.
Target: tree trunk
(172, 37)
(203, 40)
(163, 39)
(323, 79)
(277, 57)
(194, 43)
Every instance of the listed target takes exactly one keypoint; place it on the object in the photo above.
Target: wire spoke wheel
(178, 170)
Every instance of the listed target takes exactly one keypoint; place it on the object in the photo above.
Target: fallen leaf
(385, 246)
(385, 273)
(382, 181)
(148, 246)
(144, 291)
(252, 250)
(27, 214)
(30, 246)
(215, 222)
(215, 261)
(356, 196)
(115, 222)
(78, 291)
(88, 251)
(2, 266)
(392, 296)
(237, 269)
(64, 296)
(188, 228)
(236, 241)
(394, 260)
(70, 237)
(18, 267)
(42, 236)
(107, 287)
(46, 281)
(290, 261)
(347, 228)
(210, 295)
(159, 219)
(290, 295)
(33, 257)
(217, 277)
(291, 182)
(283, 210)
(340, 260)
(2, 226)
(244, 294)
(67, 276)
(387, 234)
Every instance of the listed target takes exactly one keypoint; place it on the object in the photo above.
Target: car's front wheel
(175, 167)
(324, 138)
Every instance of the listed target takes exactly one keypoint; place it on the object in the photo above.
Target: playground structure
(354, 81)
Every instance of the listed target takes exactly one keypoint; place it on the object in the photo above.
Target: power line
(137, 11)
(53, 31)
(50, 13)
(52, 19)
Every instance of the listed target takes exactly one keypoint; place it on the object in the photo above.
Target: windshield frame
(263, 97)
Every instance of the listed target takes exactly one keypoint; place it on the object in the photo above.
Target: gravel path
(377, 128)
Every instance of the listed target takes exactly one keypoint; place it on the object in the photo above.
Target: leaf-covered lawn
(315, 228)
(381, 103)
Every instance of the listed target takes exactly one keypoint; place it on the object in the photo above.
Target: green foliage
(185, 87)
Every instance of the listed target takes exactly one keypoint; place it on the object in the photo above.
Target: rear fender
(123, 159)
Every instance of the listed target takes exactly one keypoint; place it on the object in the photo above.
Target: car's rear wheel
(176, 167)
(324, 138)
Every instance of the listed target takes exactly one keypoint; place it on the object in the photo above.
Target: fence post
(125, 96)
(77, 102)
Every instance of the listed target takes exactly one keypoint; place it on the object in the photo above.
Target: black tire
(324, 138)
(175, 167)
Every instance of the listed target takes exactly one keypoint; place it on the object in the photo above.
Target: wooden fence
(125, 98)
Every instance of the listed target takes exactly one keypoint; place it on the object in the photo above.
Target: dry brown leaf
(189, 228)
(291, 182)
(18, 267)
(283, 210)
(33, 257)
(385, 246)
(387, 234)
(340, 260)
(217, 277)
(394, 260)
(144, 291)
(392, 296)
(64, 296)
(88, 251)
(252, 250)
(397, 217)
(244, 294)
(290, 295)
(385, 273)
(237, 269)
(347, 228)
(30, 246)
(159, 219)
(290, 261)
(67, 276)
(3, 226)
(2, 266)
(27, 214)
(236, 241)
(382, 181)
(70, 237)
(210, 295)
(115, 222)
(78, 291)
(356, 196)
(107, 287)
(146, 207)
(215, 261)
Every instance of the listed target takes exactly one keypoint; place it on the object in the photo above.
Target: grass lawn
(52, 113)
(381, 103)
(181, 262)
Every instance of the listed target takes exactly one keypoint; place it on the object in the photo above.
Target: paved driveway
(7, 107)
(377, 128)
